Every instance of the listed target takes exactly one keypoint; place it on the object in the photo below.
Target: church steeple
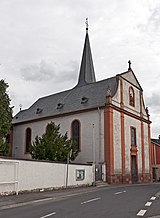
(87, 74)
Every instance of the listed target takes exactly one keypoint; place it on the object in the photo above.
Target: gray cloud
(153, 102)
(71, 73)
(38, 72)
(44, 71)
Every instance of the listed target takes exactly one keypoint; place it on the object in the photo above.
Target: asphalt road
(108, 201)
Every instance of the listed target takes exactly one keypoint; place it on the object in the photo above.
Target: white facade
(86, 120)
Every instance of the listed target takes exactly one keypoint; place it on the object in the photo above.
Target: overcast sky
(41, 44)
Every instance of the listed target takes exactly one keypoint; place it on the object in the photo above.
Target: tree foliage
(5, 118)
(53, 145)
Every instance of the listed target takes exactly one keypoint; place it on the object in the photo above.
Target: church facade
(107, 119)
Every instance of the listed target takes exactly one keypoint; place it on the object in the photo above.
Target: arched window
(28, 139)
(131, 97)
(75, 131)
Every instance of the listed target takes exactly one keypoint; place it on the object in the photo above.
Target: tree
(5, 118)
(53, 145)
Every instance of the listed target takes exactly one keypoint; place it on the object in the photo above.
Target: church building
(107, 119)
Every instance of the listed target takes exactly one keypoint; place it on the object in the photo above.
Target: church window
(28, 139)
(75, 131)
(133, 136)
(131, 97)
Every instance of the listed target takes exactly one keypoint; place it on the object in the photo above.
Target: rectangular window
(133, 136)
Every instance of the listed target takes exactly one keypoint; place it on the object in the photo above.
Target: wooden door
(134, 169)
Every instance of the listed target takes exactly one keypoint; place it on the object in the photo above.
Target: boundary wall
(29, 175)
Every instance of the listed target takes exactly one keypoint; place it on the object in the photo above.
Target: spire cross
(129, 62)
(86, 24)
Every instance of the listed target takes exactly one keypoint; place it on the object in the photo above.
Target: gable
(131, 90)
(131, 78)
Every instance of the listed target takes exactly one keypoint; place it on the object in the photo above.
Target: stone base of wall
(126, 179)
(145, 178)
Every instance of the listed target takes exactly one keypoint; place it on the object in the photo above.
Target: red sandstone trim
(142, 142)
(108, 143)
(149, 141)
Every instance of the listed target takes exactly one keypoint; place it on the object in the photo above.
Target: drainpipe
(99, 117)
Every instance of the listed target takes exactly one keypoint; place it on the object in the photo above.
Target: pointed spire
(87, 74)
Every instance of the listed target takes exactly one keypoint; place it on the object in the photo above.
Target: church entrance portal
(134, 170)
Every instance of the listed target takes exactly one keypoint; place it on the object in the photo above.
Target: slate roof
(79, 98)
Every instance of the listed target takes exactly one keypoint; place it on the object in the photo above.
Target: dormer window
(39, 110)
(59, 105)
(84, 100)
(131, 97)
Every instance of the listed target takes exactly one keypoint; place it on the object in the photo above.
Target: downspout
(99, 117)
(155, 156)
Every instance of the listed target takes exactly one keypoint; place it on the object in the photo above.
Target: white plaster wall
(39, 174)
(117, 142)
(130, 77)
(8, 178)
(86, 119)
(29, 175)
(129, 121)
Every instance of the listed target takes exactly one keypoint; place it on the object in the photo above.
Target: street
(106, 201)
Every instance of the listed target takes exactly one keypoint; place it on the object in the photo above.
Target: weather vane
(20, 107)
(86, 24)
